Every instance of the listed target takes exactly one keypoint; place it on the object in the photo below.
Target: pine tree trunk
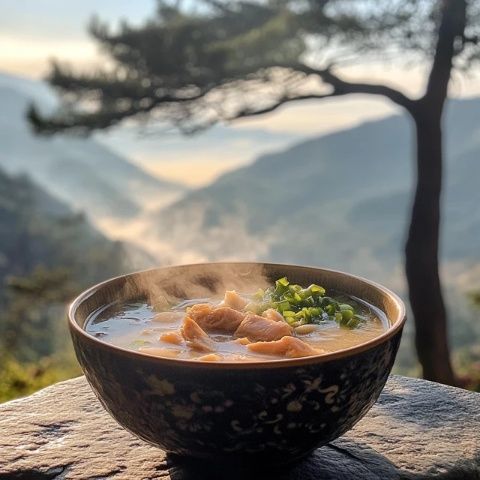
(422, 248)
(421, 251)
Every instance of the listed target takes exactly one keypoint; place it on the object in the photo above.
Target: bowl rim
(390, 332)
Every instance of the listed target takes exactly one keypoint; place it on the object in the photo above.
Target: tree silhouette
(218, 61)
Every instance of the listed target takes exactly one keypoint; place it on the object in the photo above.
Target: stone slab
(416, 430)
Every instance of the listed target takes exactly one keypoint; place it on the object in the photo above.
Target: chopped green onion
(282, 282)
(326, 301)
(330, 309)
(354, 322)
(259, 294)
(282, 306)
(310, 301)
(316, 290)
(301, 306)
(316, 311)
(294, 288)
(297, 297)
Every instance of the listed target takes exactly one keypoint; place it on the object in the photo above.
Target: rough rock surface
(416, 430)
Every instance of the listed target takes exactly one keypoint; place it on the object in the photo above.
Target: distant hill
(340, 200)
(36, 229)
(48, 254)
(80, 171)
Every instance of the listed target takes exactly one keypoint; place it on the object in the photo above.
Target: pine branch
(250, 112)
(105, 117)
(343, 87)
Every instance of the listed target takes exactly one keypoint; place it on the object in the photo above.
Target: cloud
(28, 56)
(198, 171)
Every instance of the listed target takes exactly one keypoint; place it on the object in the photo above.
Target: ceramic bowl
(270, 411)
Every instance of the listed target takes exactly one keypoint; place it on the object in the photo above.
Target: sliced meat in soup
(233, 300)
(289, 347)
(273, 314)
(216, 319)
(195, 337)
(257, 328)
(172, 337)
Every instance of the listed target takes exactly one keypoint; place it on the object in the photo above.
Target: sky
(34, 31)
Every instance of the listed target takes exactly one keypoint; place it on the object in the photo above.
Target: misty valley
(74, 212)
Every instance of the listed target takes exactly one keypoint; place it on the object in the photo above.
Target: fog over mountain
(80, 171)
(340, 200)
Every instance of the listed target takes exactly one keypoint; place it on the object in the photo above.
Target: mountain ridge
(37, 229)
(55, 163)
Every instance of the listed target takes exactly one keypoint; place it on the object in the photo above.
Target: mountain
(37, 229)
(48, 254)
(340, 200)
(80, 171)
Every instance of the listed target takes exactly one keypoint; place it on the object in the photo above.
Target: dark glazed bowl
(273, 411)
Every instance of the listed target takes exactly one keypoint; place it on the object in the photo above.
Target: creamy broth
(139, 326)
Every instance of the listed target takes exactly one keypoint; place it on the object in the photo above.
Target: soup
(283, 321)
